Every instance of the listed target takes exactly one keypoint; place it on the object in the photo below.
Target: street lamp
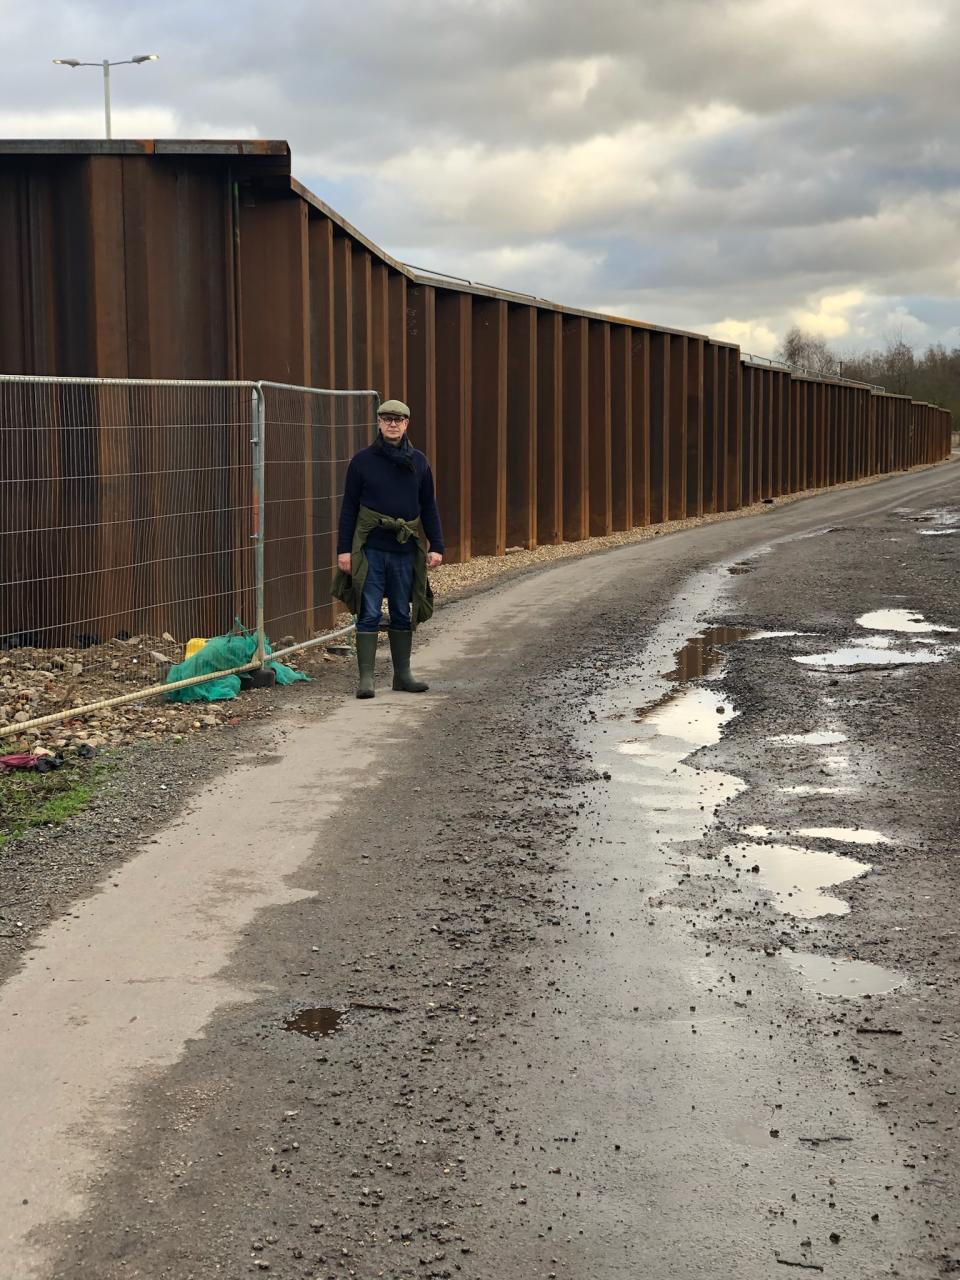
(106, 65)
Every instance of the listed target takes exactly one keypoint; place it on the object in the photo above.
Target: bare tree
(807, 351)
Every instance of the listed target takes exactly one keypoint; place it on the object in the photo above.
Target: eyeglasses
(391, 417)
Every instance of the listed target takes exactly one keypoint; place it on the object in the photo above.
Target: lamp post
(105, 65)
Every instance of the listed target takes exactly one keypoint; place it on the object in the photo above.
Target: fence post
(258, 418)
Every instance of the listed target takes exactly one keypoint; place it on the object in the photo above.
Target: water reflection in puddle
(315, 1022)
(941, 515)
(836, 764)
(848, 835)
(702, 652)
(868, 656)
(819, 738)
(904, 620)
(797, 877)
(833, 976)
(845, 835)
(773, 635)
(682, 798)
(815, 789)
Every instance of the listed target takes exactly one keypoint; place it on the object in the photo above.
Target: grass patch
(29, 799)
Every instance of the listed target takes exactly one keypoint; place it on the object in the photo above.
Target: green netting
(220, 654)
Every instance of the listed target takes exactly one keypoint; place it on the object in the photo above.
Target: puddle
(833, 976)
(905, 620)
(814, 789)
(941, 516)
(820, 738)
(849, 835)
(315, 1023)
(937, 533)
(773, 635)
(835, 762)
(796, 877)
(680, 799)
(703, 652)
(863, 655)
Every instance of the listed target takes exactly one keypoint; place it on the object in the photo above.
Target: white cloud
(830, 317)
(127, 122)
(754, 336)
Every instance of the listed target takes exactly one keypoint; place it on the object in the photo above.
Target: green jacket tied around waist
(348, 587)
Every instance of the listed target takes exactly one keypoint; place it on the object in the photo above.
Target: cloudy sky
(727, 166)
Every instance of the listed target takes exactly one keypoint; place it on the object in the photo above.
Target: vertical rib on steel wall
(549, 512)
(659, 426)
(599, 429)
(488, 455)
(710, 464)
(693, 461)
(575, 459)
(638, 353)
(621, 426)
(521, 460)
(677, 437)
(454, 413)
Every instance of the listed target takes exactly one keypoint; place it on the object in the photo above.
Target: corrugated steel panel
(157, 258)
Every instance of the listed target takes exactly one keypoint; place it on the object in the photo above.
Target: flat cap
(395, 406)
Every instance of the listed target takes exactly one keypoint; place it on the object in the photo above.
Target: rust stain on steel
(206, 259)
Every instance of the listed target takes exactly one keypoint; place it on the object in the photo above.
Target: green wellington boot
(366, 659)
(401, 642)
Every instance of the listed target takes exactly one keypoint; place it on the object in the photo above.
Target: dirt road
(630, 950)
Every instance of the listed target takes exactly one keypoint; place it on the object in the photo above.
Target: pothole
(833, 976)
(315, 1023)
(703, 652)
(681, 800)
(903, 620)
(773, 635)
(797, 878)
(816, 789)
(817, 738)
(845, 835)
(852, 656)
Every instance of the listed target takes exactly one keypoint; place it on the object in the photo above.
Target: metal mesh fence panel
(310, 437)
(126, 515)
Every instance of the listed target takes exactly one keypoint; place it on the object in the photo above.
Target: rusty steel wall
(543, 423)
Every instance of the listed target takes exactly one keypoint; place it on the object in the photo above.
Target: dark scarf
(401, 455)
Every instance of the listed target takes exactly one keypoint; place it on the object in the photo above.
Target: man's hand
(433, 559)
(345, 562)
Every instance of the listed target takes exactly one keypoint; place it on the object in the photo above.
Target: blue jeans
(390, 574)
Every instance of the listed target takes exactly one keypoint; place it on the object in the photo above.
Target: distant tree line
(932, 376)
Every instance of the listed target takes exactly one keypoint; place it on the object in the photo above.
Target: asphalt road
(589, 963)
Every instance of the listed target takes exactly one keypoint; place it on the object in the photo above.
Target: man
(389, 535)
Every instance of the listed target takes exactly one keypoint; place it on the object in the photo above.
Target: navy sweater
(374, 481)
